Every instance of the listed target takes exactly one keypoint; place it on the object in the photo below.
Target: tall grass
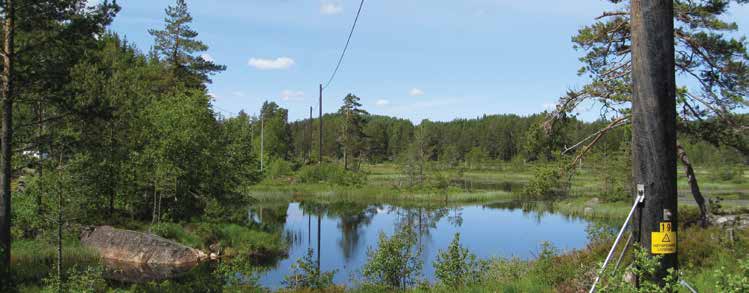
(33, 260)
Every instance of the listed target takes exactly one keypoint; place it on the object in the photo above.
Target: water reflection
(142, 273)
(341, 233)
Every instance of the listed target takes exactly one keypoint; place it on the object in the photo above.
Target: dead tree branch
(616, 123)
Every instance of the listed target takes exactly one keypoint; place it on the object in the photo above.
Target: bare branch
(611, 14)
(616, 123)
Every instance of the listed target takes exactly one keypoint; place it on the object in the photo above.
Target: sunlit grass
(33, 260)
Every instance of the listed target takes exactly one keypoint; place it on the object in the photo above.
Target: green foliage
(76, 279)
(547, 183)
(352, 137)
(26, 220)
(279, 169)
(304, 274)
(273, 132)
(176, 43)
(457, 267)
(414, 162)
(476, 157)
(395, 263)
(613, 167)
(240, 240)
(545, 267)
(329, 173)
(711, 56)
(644, 268)
(440, 181)
(238, 274)
(730, 173)
(175, 232)
(733, 282)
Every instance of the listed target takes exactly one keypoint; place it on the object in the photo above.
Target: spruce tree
(177, 45)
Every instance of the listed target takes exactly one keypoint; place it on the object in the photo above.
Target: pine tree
(177, 44)
(713, 66)
(352, 135)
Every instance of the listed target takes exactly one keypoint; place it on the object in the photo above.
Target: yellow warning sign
(663, 242)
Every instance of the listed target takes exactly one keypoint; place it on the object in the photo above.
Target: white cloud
(416, 92)
(239, 94)
(272, 64)
(207, 57)
(382, 103)
(290, 95)
(212, 95)
(550, 106)
(330, 8)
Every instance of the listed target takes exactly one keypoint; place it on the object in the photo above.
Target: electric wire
(348, 42)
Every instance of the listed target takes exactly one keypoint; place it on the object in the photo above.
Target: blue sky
(415, 59)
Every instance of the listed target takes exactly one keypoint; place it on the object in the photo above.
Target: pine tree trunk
(6, 136)
(110, 172)
(40, 152)
(694, 186)
(59, 235)
(345, 159)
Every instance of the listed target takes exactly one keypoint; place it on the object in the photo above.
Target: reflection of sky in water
(486, 232)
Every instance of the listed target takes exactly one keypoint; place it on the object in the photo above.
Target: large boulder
(140, 248)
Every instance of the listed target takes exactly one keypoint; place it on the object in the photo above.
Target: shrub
(77, 280)
(643, 269)
(175, 232)
(457, 267)
(238, 273)
(733, 282)
(240, 240)
(329, 173)
(547, 183)
(27, 223)
(305, 274)
(395, 264)
(279, 169)
(545, 267)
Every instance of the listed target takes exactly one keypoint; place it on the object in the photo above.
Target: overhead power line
(348, 41)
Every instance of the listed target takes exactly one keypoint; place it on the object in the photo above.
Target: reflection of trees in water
(456, 217)
(268, 217)
(535, 209)
(352, 223)
(421, 219)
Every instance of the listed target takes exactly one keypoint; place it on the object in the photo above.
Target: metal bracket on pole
(640, 199)
(640, 193)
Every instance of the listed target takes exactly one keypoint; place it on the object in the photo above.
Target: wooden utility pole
(309, 141)
(654, 127)
(6, 136)
(262, 140)
(320, 146)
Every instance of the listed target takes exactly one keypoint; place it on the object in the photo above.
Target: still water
(347, 231)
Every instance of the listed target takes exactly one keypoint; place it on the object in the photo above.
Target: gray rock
(140, 248)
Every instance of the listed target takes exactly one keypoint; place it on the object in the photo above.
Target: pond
(348, 230)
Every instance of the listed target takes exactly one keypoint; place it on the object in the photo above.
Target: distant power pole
(320, 146)
(654, 128)
(262, 140)
(309, 141)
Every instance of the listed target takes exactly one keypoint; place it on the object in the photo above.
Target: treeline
(499, 138)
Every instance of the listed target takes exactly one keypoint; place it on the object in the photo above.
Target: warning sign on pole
(663, 242)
